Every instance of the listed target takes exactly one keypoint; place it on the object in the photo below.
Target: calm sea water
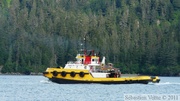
(38, 88)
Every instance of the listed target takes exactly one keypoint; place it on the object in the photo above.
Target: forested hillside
(138, 36)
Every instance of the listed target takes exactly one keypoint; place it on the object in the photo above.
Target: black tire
(125, 81)
(73, 74)
(130, 81)
(63, 73)
(55, 73)
(81, 74)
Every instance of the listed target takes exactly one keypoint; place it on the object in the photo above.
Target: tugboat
(88, 69)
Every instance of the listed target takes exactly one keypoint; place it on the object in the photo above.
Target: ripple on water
(33, 88)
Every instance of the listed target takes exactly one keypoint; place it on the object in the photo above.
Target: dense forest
(137, 36)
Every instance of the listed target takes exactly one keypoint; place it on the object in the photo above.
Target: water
(38, 88)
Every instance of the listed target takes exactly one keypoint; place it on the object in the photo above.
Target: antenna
(85, 42)
(83, 45)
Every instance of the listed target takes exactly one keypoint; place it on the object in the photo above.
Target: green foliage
(8, 3)
(138, 36)
(176, 3)
(8, 68)
(5, 3)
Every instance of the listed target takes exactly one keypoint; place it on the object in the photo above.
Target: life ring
(72, 74)
(63, 73)
(81, 74)
(55, 73)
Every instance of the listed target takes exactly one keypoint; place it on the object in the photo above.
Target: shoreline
(21, 73)
(122, 75)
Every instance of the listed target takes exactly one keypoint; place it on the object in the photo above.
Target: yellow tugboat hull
(73, 76)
